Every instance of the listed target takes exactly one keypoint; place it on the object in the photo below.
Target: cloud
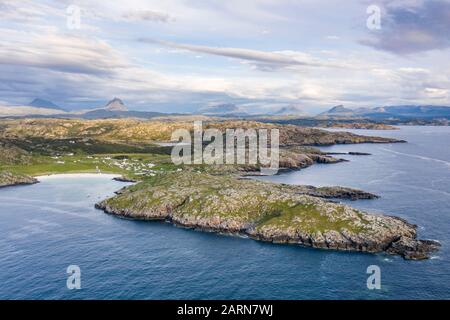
(414, 27)
(72, 68)
(310, 56)
(263, 60)
(27, 11)
(61, 66)
(147, 15)
(57, 52)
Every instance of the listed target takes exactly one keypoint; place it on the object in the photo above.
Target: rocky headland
(268, 212)
(10, 179)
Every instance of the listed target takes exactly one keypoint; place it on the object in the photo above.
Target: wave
(447, 163)
(424, 189)
(386, 178)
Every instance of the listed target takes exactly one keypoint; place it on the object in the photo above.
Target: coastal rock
(267, 212)
(11, 179)
(124, 179)
(299, 157)
(413, 249)
(336, 192)
(353, 153)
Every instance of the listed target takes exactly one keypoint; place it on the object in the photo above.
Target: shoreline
(31, 180)
(8, 179)
(301, 215)
(272, 213)
(19, 184)
(409, 248)
(75, 175)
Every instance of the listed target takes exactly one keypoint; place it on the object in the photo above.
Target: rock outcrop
(268, 212)
(10, 179)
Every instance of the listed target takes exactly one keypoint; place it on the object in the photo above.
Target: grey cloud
(410, 29)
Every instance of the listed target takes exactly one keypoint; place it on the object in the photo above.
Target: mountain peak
(41, 103)
(116, 105)
(219, 109)
(290, 110)
(338, 109)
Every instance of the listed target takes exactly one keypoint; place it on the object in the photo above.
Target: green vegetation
(38, 156)
(224, 197)
(308, 218)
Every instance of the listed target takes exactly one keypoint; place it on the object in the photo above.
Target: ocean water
(46, 227)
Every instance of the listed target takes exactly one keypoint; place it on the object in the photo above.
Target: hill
(41, 103)
(411, 112)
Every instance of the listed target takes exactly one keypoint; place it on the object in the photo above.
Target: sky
(182, 56)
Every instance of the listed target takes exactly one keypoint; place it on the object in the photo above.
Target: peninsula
(208, 197)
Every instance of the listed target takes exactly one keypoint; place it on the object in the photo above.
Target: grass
(82, 163)
(40, 156)
(206, 196)
(307, 217)
(51, 166)
(47, 146)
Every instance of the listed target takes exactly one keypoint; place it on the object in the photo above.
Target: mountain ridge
(116, 104)
(386, 112)
(42, 103)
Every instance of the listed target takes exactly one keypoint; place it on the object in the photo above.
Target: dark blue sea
(46, 227)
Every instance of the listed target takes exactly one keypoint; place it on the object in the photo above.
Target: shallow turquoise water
(46, 227)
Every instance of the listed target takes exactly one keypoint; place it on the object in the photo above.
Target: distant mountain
(410, 111)
(41, 103)
(337, 111)
(116, 109)
(388, 112)
(291, 110)
(226, 109)
(115, 105)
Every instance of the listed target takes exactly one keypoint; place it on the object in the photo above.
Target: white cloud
(298, 60)
(263, 59)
